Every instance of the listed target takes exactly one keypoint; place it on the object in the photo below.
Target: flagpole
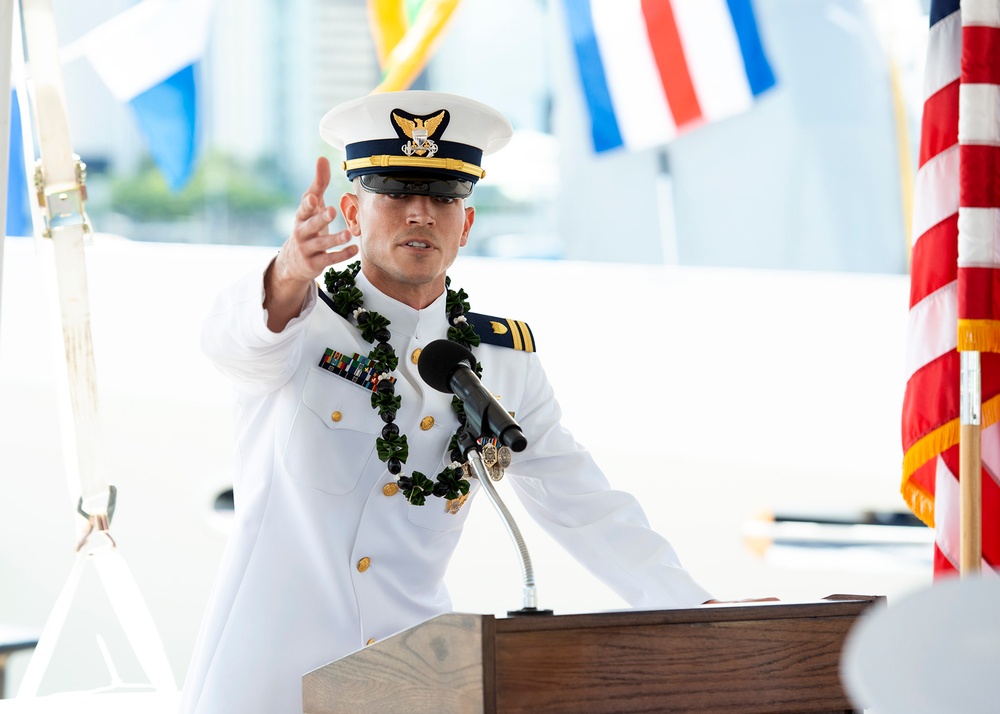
(970, 466)
(6, 61)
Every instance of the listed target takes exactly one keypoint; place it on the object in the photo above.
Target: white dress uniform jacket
(321, 560)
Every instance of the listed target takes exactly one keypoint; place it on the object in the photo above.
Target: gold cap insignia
(419, 130)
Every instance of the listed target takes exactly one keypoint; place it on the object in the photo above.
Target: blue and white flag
(148, 57)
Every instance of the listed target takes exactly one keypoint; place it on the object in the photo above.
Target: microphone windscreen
(438, 360)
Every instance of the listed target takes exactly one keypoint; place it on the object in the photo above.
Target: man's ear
(470, 217)
(349, 210)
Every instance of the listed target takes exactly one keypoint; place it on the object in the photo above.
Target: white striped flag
(652, 69)
(955, 273)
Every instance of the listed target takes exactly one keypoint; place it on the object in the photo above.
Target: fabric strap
(65, 229)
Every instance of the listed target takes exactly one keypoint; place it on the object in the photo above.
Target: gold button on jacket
(364, 564)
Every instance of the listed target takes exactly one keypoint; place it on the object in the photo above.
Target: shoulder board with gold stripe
(502, 331)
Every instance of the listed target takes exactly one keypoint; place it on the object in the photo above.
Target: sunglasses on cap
(416, 185)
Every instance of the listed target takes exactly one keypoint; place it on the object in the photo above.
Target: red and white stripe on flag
(954, 288)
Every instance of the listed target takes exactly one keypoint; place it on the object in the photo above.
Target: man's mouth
(417, 244)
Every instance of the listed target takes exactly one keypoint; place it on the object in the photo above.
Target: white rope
(135, 618)
(128, 605)
(46, 646)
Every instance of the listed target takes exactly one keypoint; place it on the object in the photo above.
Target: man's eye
(394, 195)
(444, 199)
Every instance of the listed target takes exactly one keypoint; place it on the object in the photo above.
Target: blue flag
(18, 207)
(148, 57)
(168, 118)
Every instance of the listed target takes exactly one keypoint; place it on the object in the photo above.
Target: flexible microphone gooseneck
(447, 367)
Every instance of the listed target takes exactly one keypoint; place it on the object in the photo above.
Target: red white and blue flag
(955, 273)
(652, 69)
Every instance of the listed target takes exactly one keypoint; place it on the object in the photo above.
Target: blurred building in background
(811, 178)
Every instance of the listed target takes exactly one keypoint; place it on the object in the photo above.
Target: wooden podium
(762, 657)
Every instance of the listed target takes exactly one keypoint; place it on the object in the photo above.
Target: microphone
(447, 367)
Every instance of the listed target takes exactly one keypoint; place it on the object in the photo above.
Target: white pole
(7, 34)
(666, 210)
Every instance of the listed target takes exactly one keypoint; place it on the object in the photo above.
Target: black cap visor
(417, 185)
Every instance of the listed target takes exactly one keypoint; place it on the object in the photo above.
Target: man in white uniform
(350, 497)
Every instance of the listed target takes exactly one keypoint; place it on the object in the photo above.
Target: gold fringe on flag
(978, 335)
(930, 446)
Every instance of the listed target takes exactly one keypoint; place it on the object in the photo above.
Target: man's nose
(420, 210)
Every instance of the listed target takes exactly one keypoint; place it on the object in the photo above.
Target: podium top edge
(831, 606)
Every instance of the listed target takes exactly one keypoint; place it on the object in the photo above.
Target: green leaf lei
(391, 446)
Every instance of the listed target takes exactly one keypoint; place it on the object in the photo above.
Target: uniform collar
(404, 320)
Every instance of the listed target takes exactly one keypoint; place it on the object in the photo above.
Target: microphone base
(528, 612)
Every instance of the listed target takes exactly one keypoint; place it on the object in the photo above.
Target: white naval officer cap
(415, 142)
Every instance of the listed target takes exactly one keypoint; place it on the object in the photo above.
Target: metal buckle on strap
(63, 204)
(100, 522)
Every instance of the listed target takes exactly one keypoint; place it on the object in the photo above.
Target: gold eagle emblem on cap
(419, 130)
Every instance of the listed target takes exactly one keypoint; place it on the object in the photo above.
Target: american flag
(955, 271)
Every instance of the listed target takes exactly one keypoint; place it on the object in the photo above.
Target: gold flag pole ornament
(61, 228)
